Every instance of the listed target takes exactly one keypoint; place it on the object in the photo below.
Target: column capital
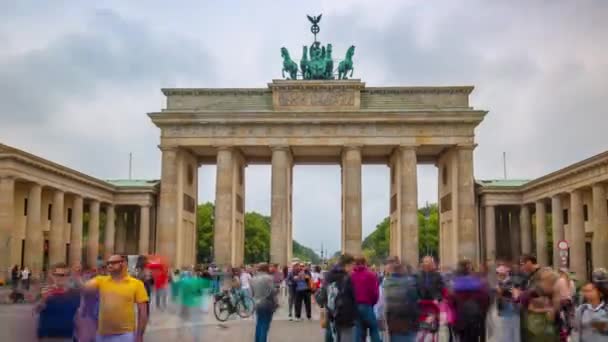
(467, 146)
(409, 147)
(224, 148)
(8, 177)
(280, 148)
(146, 205)
(168, 148)
(350, 147)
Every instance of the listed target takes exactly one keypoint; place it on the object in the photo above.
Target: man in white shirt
(25, 279)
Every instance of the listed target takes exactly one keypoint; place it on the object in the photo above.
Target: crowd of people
(515, 302)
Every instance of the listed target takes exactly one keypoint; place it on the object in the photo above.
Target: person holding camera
(507, 311)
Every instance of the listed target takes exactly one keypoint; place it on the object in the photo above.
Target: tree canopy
(257, 238)
(376, 245)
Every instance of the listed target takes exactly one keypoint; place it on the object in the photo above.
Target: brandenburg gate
(316, 116)
(316, 122)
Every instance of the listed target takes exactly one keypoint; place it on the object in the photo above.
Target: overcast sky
(78, 77)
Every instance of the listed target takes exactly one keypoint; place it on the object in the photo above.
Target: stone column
(121, 232)
(515, 231)
(34, 238)
(56, 236)
(541, 234)
(76, 234)
(557, 222)
(279, 211)
(405, 215)
(167, 216)
(577, 235)
(110, 232)
(467, 230)
(600, 226)
(144, 229)
(222, 235)
(526, 229)
(93, 234)
(490, 230)
(7, 222)
(351, 192)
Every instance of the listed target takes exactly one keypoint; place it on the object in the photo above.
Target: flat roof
(503, 182)
(131, 183)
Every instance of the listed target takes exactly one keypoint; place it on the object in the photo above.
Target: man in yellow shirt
(118, 294)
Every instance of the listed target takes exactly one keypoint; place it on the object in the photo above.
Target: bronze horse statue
(288, 65)
(347, 64)
(305, 63)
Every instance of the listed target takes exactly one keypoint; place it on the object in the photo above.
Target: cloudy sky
(78, 77)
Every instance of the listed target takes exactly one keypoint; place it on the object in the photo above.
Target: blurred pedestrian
(470, 298)
(119, 294)
(341, 305)
(265, 298)
(539, 308)
(591, 322)
(365, 286)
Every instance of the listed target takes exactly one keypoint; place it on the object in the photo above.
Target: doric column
(167, 216)
(34, 239)
(120, 245)
(56, 236)
(526, 229)
(144, 229)
(577, 235)
(222, 234)
(490, 230)
(467, 231)
(110, 232)
(515, 232)
(7, 222)
(600, 226)
(76, 234)
(404, 211)
(93, 234)
(351, 193)
(279, 210)
(557, 222)
(541, 233)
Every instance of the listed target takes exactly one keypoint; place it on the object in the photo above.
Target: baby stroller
(428, 321)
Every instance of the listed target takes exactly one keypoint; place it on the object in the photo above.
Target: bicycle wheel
(245, 307)
(221, 310)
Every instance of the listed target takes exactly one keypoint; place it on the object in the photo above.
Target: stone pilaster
(404, 205)
(34, 239)
(120, 245)
(577, 235)
(557, 222)
(56, 236)
(526, 229)
(110, 232)
(93, 234)
(467, 231)
(541, 233)
(168, 212)
(600, 226)
(280, 237)
(490, 233)
(351, 194)
(144, 229)
(76, 234)
(7, 222)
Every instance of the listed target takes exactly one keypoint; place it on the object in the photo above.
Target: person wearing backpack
(471, 301)
(341, 306)
(398, 304)
(365, 285)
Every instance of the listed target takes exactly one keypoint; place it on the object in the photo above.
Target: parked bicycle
(227, 303)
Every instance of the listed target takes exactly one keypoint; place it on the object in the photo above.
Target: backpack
(321, 297)
(468, 307)
(340, 306)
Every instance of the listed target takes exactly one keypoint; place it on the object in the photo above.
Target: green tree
(205, 221)
(257, 238)
(305, 254)
(376, 245)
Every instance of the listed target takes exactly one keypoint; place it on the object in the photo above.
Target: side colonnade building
(571, 204)
(50, 213)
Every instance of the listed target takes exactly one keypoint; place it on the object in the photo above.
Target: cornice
(419, 90)
(214, 91)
